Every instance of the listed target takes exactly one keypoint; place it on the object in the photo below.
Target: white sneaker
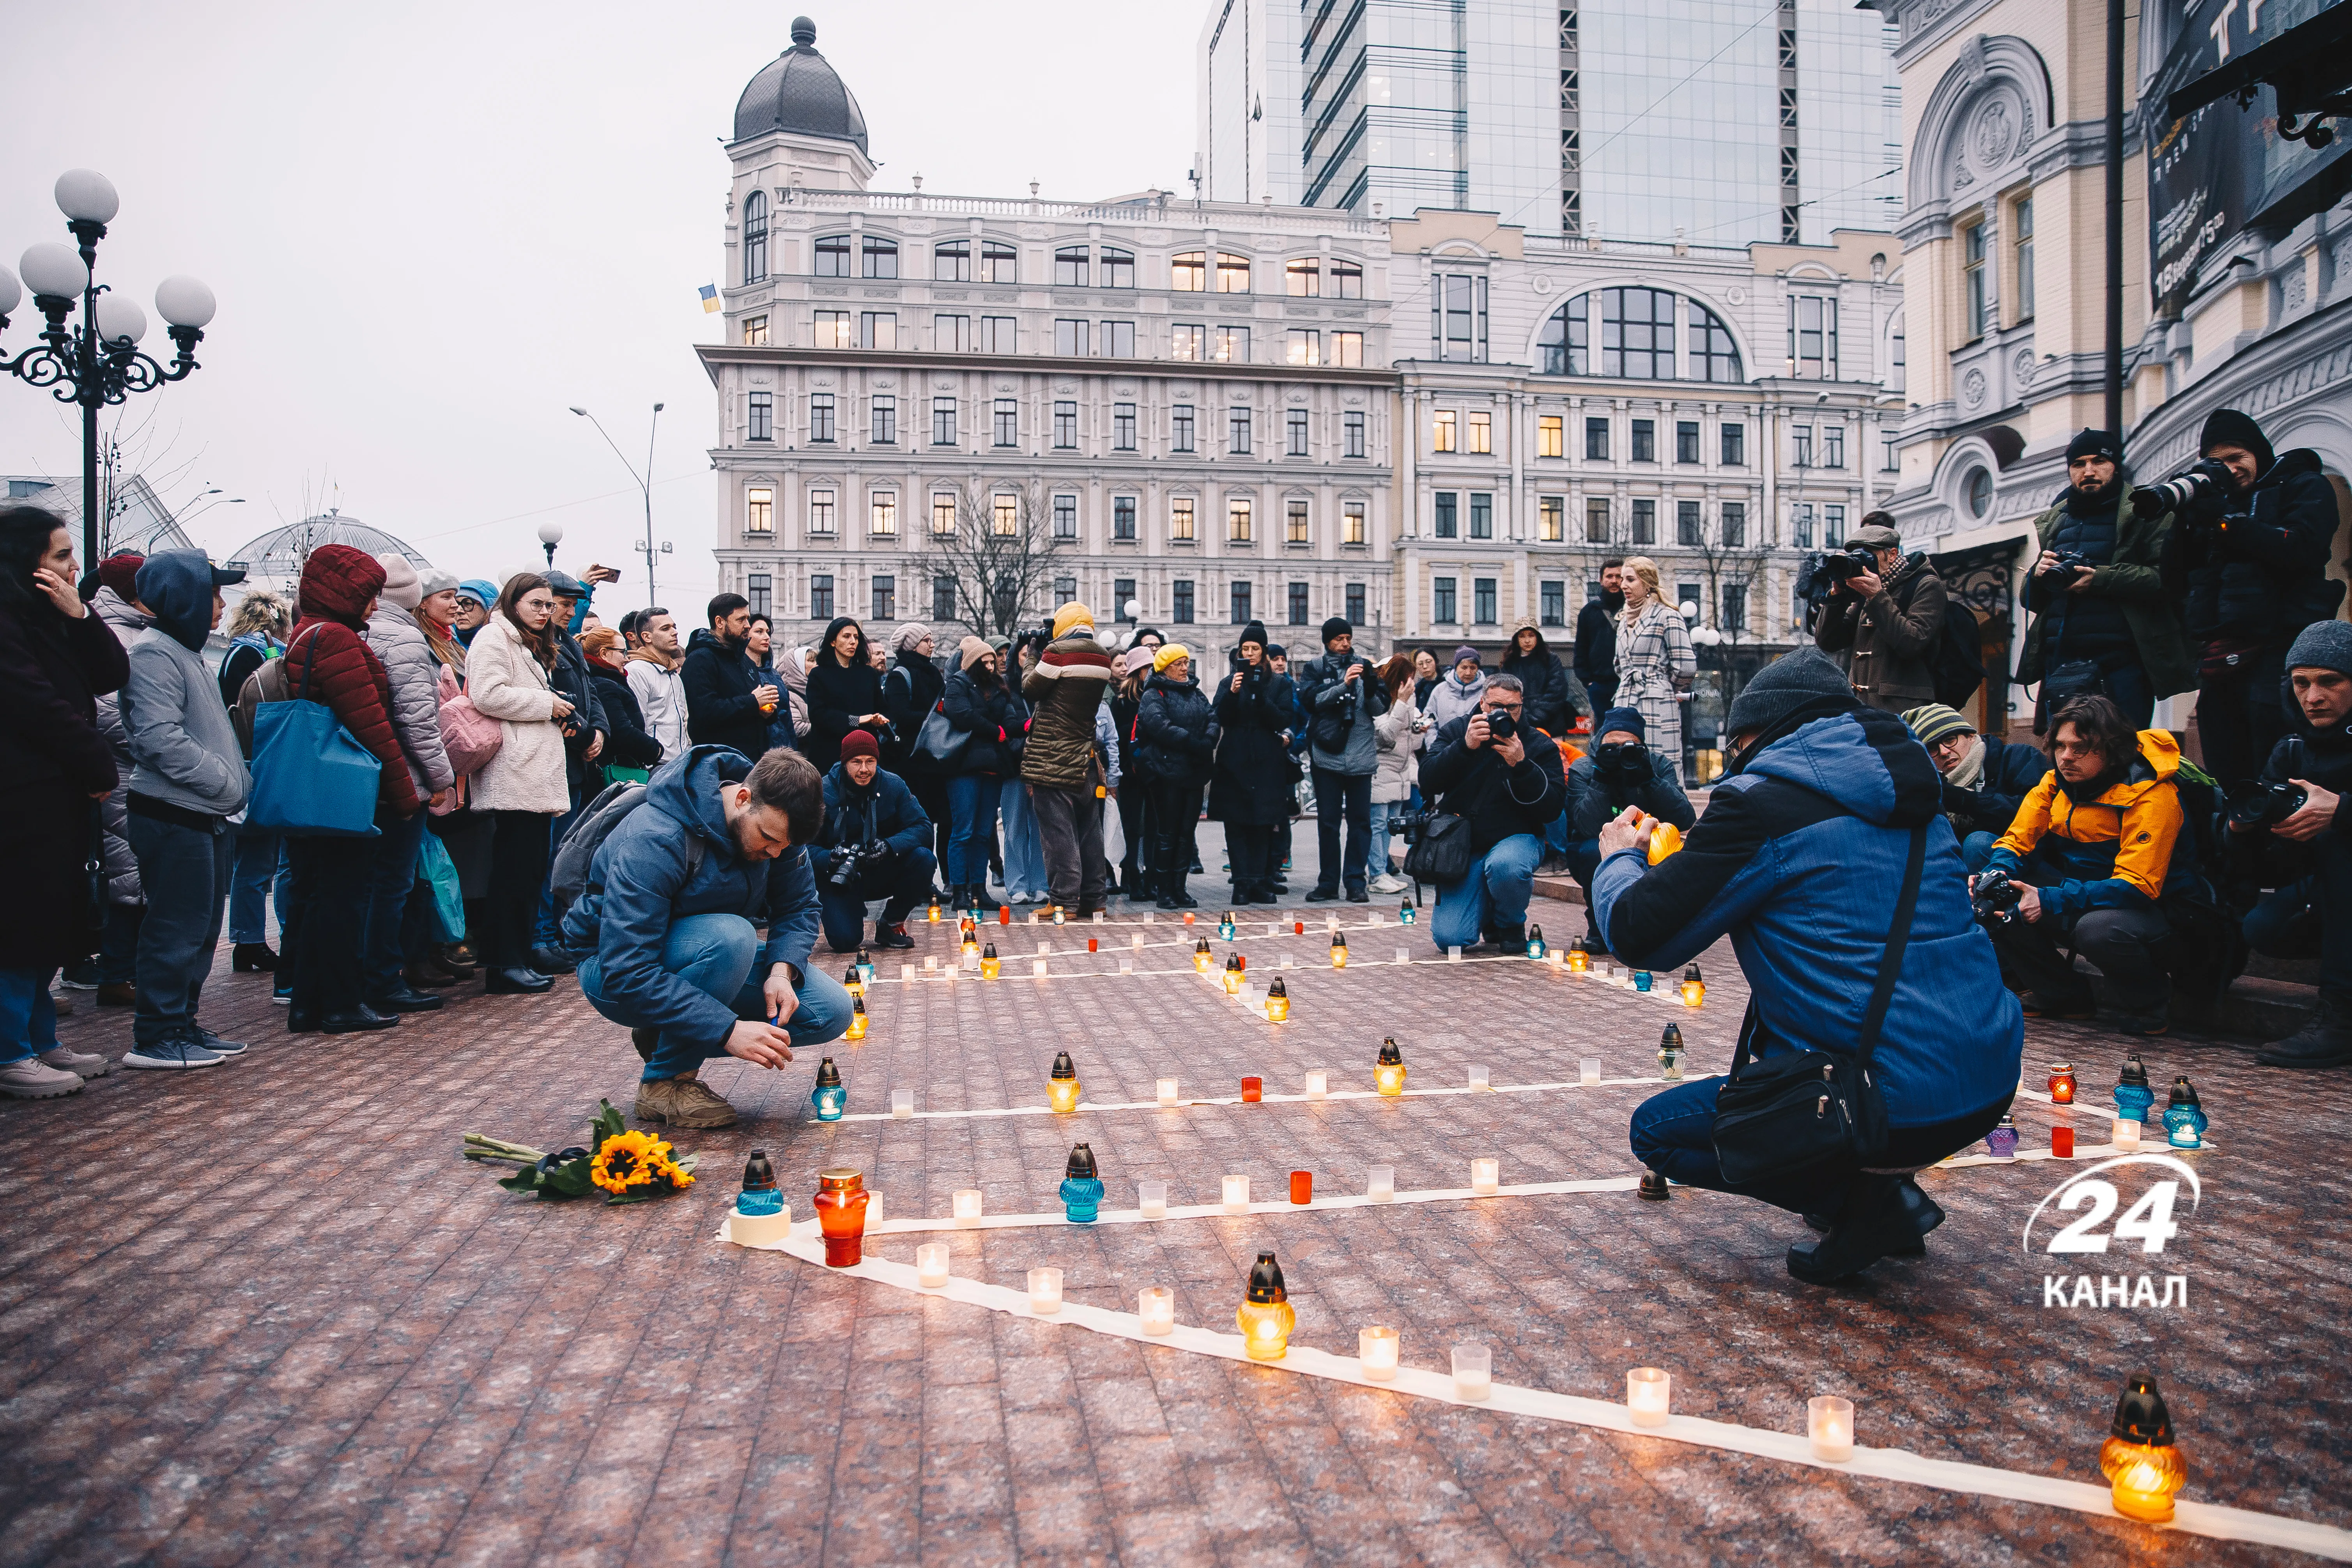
(32, 1079)
(1386, 883)
(87, 1064)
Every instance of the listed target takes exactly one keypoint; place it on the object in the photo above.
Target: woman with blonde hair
(1655, 664)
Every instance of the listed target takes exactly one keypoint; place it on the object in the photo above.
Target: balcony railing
(1152, 207)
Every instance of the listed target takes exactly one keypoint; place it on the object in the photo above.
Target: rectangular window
(1122, 593)
(1237, 432)
(1554, 604)
(1231, 345)
(885, 425)
(1551, 519)
(1179, 520)
(1645, 440)
(1446, 520)
(759, 510)
(951, 334)
(1550, 440)
(1645, 521)
(1347, 283)
(831, 329)
(1066, 426)
(1443, 436)
(2021, 225)
(1735, 524)
(1298, 616)
(1596, 440)
(1481, 600)
(1596, 522)
(1688, 594)
(1686, 523)
(1356, 604)
(1832, 445)
(761, 589)
(1801, 525)
(1065, 590)
(1070, 267)
(1237, 520)
(1303, 277)
(1482, 515)
(1441, 601)
(1232, 274)
(1122, 426)
(1295, 425)
(1295, 523)
(1686, 441)
(1346, 349)
(1004, 521)
(763, 416)
(1239, 611)
(881, 257)
(1352, 432)
(821, 417)
(1118, 268)
(1800, 437)
(1302, 346)
(885, 598)
(943, 514)
(1180, 600)
(885, 510)
(943, 598)
(1179, 428)
(1000, 334)
(1070, 337)
(952, 261)
(1735, 606)
(943, 421)
(755, 331)
(1118, 339)
(1481, 433)
(1812, 334)
(1834, 527)
(1972, 279)
(878, 328)
(1351, 523)
(1458, 317)
(1887, 452)
(820, 514)
(1008, 422)
(1065, 517)
(1187, 342)
(820, 597)
(1735, 446)
(1122, 518)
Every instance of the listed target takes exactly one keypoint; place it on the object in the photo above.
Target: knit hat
(1337, 626)
(1465, 651)
(2094, 444)
(970, 651)
(1070, 616)
(120, 573)
(859, 743)
(2323, 645)
(1167, 654)
(1134, 661)
(910, 635)
(1805, 677)
(1276, 651)
(1253, 632)
(1933, 721)
(482, 591)
(338, 581)
(2228, 427)
(400, 581)
(432, 580)
(1626, 719)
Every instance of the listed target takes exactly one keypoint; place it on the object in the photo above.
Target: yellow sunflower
(676, 1177)
(627, 1159)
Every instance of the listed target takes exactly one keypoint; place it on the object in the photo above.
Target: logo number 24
(2147, 1222)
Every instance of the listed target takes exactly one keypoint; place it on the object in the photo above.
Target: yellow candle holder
(1693, 987)
(1277, 1002)
(1232, 975)
(1388, 1073)
(1266, 1315)
(1062, 1088)
(1202, 957)
(2139, 1458)
(933, 913)
(991, 966)
(1339, 951)
(853, 981)
(856, 1018)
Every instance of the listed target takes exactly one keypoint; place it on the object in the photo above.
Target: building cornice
(715, 355)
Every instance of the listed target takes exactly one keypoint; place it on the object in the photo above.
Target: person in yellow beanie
(1065, 690)
(1169, 654)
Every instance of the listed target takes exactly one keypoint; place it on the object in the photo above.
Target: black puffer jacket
(838, 697)
(718, 681)
(1550, 706)
(1176, 731)
(2265, 580)
(626, 743)
(1499, 800)
(997, 718)
(910, 691)
(1252, 785)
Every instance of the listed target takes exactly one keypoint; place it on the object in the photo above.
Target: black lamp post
(96, 362)
(644, 484)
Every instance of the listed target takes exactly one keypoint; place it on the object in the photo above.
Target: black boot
(1873, 1224)
(2324, 1041)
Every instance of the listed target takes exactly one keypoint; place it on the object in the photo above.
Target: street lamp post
(645, 485)
(96, 362)
(550, 534)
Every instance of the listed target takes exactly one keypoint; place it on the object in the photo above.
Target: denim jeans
(1376, 862)
(392, 871)
(1342, 795)
(1024, 850)
(544, 932)
(902, 879)
(1976, 849)
(715, 954)
(1495, 893)
(28, 1017)
(184, 871)
(972, 803)
(259, 865)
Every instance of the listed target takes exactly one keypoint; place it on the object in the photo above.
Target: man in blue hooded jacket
(872, 813)
(1820, 800)
(669, 920)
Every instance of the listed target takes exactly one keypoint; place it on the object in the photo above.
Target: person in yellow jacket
(2094, 841)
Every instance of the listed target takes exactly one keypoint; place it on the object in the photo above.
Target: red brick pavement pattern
(264, 1313)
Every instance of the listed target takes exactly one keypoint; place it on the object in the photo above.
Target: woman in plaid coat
(1654, 661)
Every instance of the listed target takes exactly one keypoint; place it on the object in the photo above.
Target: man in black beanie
(1342, 695)
(2104, 621)
(2256, 559)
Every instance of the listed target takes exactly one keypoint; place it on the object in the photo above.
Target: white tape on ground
(1092, 1105)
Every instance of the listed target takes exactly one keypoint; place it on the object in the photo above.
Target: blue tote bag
(311, 778)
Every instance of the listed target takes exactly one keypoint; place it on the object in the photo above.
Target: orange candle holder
(1252, 1091)
(1302, 1187)
(841, 1201)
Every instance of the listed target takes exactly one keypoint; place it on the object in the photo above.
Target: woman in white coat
(1655, 662)
(522, 787)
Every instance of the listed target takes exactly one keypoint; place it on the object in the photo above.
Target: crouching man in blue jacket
(668, 918)
(1804, 844)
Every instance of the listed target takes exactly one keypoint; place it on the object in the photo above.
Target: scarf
(1971, 768)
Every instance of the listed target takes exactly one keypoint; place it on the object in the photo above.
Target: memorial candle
(1486, 1176)
(1380, 1184)
(1081, 1190)
(1376, 1351)
(1062, 1086)
(1648, 1392)
(1167, 1090)
(1319, 1083)
(902, 1104)
(853, 981)
(1044, 1291)
(1828, 1422)
(2139, 1457)
(1237, 1194)
(1338, 949)
(1266, 1315)
(1389, 1071)
(830, 1094)
(966, 1206)
(857, 1019)
(932, 1265)
(1278, 1001)
(841, 1201)
(1693, 987)
(1474, 1372)
(1156, 1305)
(990, 964)
(1151, 1199)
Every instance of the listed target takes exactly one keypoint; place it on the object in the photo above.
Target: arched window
(1189, 273)
(755, 236)
(1232, 273)
(1118, 268)
(952, 261)
(1713, 355)
(881, 257)
(1347, 280)
(833, 256)
(999, 262)
(1630, 332)
(1070, 267)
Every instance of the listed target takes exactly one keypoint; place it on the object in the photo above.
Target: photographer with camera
(2104, 622)
(2093, 848)
(1985, 781)
(1825, 816)
(1501, 776)
(1621, 772)
(2282, 832)
(875, 845)
(2255, 531)
(1343, 695)
(1889, 609)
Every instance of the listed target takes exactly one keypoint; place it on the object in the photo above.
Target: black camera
(2257, 806)
(2072, 561)
(1996, 897)
(846, 870)
(1621, 757)
(1501, 722)
(1851, 562)
(1410, 826)
(1822, 573)
(2198, 492)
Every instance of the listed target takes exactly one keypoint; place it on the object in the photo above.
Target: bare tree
(999, 554)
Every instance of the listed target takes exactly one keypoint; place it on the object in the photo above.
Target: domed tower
(797, 124)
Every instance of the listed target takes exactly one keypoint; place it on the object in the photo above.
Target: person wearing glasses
(1621, 772)
(1502, 776)
(1985, 781)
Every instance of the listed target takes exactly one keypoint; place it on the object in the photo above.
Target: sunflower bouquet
(627, 1167)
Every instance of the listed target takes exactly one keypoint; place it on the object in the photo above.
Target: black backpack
(567, 878)
(1956, 666)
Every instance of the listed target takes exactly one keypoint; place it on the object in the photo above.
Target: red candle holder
(1298, 928)
(1092, 945)
(841, 1200)
(1302, 1187)
(1252, 1091)
(1005, 914)
(2061, 1142)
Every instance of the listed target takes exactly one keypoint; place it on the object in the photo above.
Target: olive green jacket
(2135, 579)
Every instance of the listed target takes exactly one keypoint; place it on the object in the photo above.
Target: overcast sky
(432, 227)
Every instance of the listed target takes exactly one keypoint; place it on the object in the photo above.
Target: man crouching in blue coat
(1799, 856)
(667, 918)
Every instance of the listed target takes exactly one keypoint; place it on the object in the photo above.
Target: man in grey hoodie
(1342, 694)
(188, 778)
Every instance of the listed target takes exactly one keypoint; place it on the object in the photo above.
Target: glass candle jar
(1376, 1353)
(1252, 1091)
(1044, 1291)
(2001, 1142)
(1380, 1184)
(1302, 1187)
(830, 1094)
(1478, 1079)
(1588, 1070)
(1319, 1083)
(1166, 1089)
(902, 1104)
(1265, 1328)
(1156, 1306)
(1828, 1422)
(1151, 1199)
(932, 1265)
(841, 1201)
(1236, 1195)
(2061, 1085)
(1474, 1372)
(1648, 1394)
(1486, 1177)
(966, 1206)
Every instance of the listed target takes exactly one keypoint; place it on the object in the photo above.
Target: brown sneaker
(683, 1102)
(118, 993)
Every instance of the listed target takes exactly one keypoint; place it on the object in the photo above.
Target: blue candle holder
(1640, 980)
(2001, 1142)
(831, 1094)
(1535, 941)
(2133, 1096)
(761, 1194)
(1404, 912)
(2184, 1117)
(1225, 929)
(1081, 1192)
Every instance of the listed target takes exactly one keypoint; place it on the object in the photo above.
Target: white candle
(1167, 1092)
(1474, 1372)
(902, 1104)
(1375, 920)
(1036, 916)
(1274, 928)
(1380, 1184)
(1452, 955)
(931, 963)
(932, 1265)
(1135, 942)
(1484, 1176)
(966, 1205)
(1151, 1197)
(1044, 1291)
(1589, 1070)
(1237, 1194)
(1098, 916)
(1331, 923)
(1554, 957)
(906, 974)
(1478, 1078)
(1037, 968)
(1830, 1422)
(1287, 961)
(1319, 1083)
(1149, 919)
(1043, 947)
(1647, 1393)
(1156, 1305)
(1127, 966)
(1377, 1349)
(1404, 955)
(2125, 1134)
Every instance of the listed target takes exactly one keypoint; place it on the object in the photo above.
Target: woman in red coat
(328, 660)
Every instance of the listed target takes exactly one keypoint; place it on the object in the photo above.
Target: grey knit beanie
(2323, 645)
(1781, 688)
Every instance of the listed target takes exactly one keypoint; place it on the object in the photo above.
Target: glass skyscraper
(1717, 121)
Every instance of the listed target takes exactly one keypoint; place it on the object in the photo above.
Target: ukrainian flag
(709, 299)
